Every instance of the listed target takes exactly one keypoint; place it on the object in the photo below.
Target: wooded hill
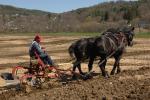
(91, 19)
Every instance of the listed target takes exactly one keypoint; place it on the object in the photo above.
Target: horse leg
(118, 67)
(79, 68)
(90, 65)
(102, 67)
(114, 67)
(75, 64)
(116, 64)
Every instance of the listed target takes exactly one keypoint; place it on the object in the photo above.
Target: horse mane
(111, 31)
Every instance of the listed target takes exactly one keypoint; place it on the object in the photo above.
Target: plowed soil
(133, 83)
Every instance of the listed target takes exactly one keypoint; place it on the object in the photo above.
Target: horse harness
(117, 37)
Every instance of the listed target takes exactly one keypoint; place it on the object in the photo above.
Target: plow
(37, 73)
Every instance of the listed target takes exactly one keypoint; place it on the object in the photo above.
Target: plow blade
(7, 80)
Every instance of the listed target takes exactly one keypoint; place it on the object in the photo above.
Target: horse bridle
(129, 36)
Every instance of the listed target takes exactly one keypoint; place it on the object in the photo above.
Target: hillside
(111, 14)
(14, 19)
(91, 19)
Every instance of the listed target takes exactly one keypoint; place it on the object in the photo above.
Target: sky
(55, 6)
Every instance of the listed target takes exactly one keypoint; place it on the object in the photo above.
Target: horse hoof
(83, 73)
(118, 71)
(87, 76)
(106, 75)
(74, 77)
(112, 73)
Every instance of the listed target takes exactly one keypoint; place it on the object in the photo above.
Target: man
(36, 47)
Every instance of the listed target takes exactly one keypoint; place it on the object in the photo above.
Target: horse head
(129, 33)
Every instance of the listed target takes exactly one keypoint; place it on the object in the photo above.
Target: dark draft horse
(113, 44)
(109, 43)
(81, 50)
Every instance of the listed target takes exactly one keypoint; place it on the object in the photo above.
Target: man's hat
(37, 37)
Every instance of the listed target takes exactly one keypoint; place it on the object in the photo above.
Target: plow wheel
(21, 73)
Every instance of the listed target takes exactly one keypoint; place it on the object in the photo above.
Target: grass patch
(143, 35)
(138, 35)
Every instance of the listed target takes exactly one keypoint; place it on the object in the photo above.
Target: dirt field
(133, 83)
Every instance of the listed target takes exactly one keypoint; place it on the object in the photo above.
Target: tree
(128, 15)
(105, 16)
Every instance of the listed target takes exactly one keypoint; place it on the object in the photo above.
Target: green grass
(143, 35)
(137, 35)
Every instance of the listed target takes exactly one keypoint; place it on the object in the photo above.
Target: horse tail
(71, 50)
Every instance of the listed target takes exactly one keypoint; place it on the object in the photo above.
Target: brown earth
(133, 83)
